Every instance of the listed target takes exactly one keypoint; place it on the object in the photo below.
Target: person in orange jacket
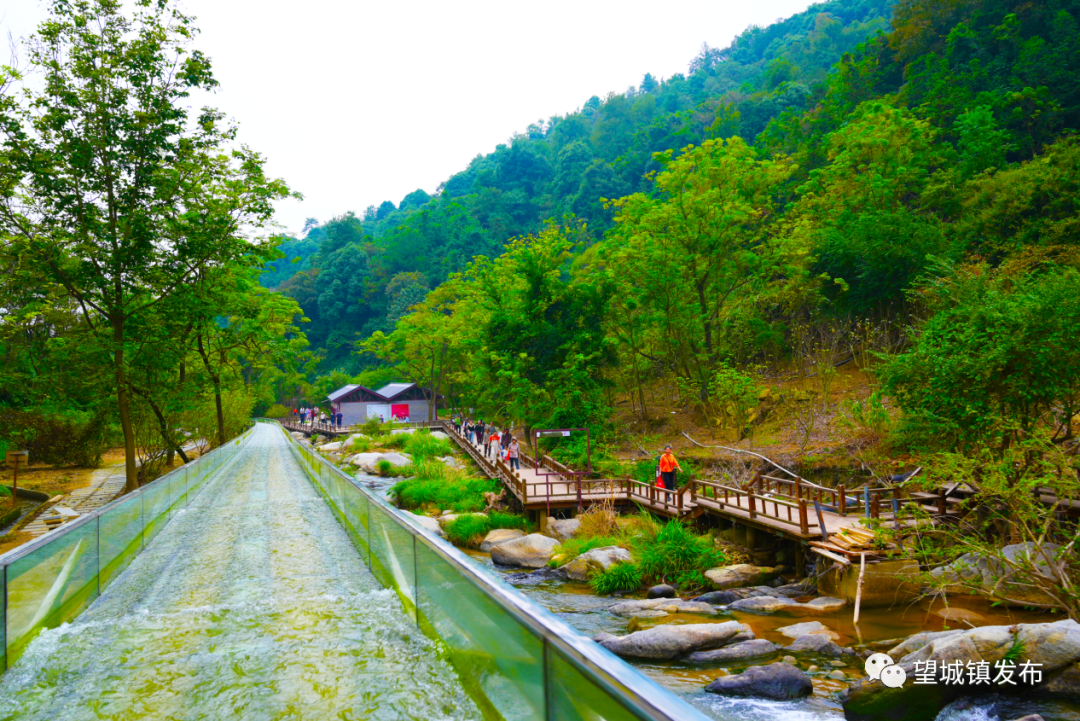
(668, 465)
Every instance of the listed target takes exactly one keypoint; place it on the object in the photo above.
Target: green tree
(995, 362)
(118, 195)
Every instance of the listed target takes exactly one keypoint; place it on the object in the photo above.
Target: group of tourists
(499, 444)
(305, 416)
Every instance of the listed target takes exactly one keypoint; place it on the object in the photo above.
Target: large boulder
(400, 431)
(806, 628)
(369, 462)
(500, 536)
(430, 523)
(972, 573)
(767, 605)
(820, 645)
(440, 435)
(670, 642)
(532, 551)
(778, 681)
(658, 607)
(745, 651)
(328, 447)
(561, 529)
(1055, 646)
(723, 598)
(661, 591)
(884, 584)
(597, 560)
(740, 575)
(297, 434)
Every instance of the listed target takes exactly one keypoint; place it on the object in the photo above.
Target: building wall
(353, 413)
(358, 413)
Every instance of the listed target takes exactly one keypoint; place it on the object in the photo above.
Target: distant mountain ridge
(354, 275)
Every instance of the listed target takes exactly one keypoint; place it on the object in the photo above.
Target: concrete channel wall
(51, 579)
(515, 658)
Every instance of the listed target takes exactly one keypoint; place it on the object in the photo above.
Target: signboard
(549, 434)
(17, 459)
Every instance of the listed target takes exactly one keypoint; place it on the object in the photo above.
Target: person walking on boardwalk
(668, 465)
(491, 442)
(513, 452)
(504, 442)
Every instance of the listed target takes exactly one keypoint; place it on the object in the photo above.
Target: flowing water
(575, 604)
(251, 603)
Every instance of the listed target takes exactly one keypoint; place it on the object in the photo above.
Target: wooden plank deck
(543, 488)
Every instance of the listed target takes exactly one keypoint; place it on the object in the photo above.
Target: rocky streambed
(778, 650)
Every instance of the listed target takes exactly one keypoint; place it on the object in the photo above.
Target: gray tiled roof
(344, 390)
(394, 389)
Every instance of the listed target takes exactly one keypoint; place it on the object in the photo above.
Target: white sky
(354, 103)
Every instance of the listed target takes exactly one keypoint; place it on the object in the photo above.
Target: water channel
(251, 603)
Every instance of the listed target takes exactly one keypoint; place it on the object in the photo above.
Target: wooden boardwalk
(779, 506)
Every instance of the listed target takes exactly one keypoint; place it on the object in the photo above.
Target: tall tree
(116, 194)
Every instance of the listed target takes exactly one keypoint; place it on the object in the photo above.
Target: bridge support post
(800, 561)
(751, 538)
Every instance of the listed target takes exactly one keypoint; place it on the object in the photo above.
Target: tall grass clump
(620, 577)
(450, 490)
(469, 530)
(422, 444)
(571, 548)
(677, 556)
(358, 445)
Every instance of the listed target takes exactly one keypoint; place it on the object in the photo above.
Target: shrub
(422, 444)
(374, 429)
(73, 440)
(449, 491)
(385, 468)
(620, 577)
(359, 445)
(277, 411)
(469, 530)
(397, 442)
(678, 556)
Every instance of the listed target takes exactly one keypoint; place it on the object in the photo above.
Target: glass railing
(51, 579)
(517, 659)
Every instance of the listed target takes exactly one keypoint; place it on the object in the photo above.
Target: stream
(575, 604)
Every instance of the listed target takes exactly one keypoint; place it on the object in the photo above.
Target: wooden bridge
(333, 431)
(789, 507)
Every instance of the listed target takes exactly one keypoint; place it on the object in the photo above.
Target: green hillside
(367, 269)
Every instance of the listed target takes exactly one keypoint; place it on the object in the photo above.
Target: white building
(358, 404)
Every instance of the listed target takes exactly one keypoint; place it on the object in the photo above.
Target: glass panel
(51, 585)
(495, 655)
(120, 536)
(355, 508)
(3, 617)
(155, 506)
(381, 566)
(573, 695)
(177, 490)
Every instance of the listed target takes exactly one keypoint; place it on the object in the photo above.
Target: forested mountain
(918, 206)
(366, 270)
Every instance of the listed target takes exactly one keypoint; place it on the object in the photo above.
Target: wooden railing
(654, 496)
(784, 510)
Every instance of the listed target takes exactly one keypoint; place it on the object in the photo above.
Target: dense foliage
(367, 268)
(128, 234)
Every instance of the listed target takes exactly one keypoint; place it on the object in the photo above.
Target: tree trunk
(217, 393)
(123, 404)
